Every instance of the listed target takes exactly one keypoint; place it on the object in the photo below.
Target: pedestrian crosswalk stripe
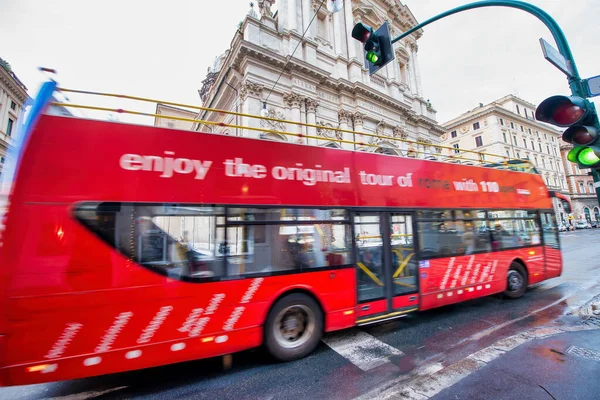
(361, 349)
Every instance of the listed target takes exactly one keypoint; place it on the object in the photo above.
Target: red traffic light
(362, 32)
(562, 110)
(580, 135)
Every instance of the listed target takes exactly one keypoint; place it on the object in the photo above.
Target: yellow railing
(479, 157)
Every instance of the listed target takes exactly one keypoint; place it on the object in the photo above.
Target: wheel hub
(293, 327)
(515, 281)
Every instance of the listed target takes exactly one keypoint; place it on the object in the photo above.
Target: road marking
(486, 332)
(424, 384)
(88, 395)
(361, 349)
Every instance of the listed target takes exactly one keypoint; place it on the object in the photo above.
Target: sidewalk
(558, 361)
(563, 366)
(563, 363)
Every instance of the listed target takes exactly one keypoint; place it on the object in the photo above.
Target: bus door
(386, 268)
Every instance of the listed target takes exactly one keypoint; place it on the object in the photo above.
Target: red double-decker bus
(127, 246)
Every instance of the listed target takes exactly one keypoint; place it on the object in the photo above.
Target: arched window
(586, 211)
(597, 213)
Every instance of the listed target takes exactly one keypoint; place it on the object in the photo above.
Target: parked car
(595, 224)
(583, 225)
(562, 228)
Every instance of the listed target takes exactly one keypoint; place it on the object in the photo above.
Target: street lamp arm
(557, 33)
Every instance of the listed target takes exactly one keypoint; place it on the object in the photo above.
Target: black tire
(304, 329)
(516, 281)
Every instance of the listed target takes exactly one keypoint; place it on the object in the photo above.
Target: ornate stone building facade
(325, 83)
(13, 95)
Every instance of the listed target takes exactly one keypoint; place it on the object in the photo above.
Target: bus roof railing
(412, 150)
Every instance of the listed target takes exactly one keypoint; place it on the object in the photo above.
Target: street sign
(593, 85)
(555, 58)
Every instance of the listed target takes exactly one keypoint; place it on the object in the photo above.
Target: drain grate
(584, 353)
(592, 321)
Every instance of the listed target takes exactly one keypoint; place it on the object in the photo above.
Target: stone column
(355, 54)
(414, 48)
(293, 101)
(307, 13)
(292, 15)
(311, 118)
(358, 127)
(250, 92)
(344, 117)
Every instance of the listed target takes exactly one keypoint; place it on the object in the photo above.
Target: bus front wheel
(294, 327)
(516, 281)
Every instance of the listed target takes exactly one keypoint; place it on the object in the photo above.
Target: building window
(504, 137)
(525, 112)
(478, 141)
(540, 147)
(501, 121)
(543, 162)
(529, 130)
(524, 143)
(456, 149)
(532, 145)
(476, 126)
(591, 188)
(9, 127)
(507, 153)
(548, 148)
(545, 137)
(581, 189)
(512, 126)
(555, 182)
(537, 133)
(536, 160)
(518, 111)
(518, 155)
(515, 140)
(13, 105)
(552, 139)
(522, 129)
(554, 149)
(453, 134)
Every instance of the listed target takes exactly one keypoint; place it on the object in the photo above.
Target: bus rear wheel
(516, 281)
(294, 327)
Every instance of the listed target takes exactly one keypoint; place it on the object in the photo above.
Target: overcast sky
(162, 49)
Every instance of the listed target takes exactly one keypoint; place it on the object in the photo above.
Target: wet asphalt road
(431, 339)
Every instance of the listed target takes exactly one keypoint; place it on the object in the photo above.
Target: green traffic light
(588, 157)
(372, 57)
(572, 156)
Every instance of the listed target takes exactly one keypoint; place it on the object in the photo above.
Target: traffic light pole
(575, 82)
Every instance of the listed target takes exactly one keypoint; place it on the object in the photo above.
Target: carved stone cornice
(311, 104)
(399, 132)
(250, 88)
(344, 116)
(359, 118)
(293, 100)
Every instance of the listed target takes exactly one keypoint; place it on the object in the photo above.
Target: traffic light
(581, 120)
(377, 45)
